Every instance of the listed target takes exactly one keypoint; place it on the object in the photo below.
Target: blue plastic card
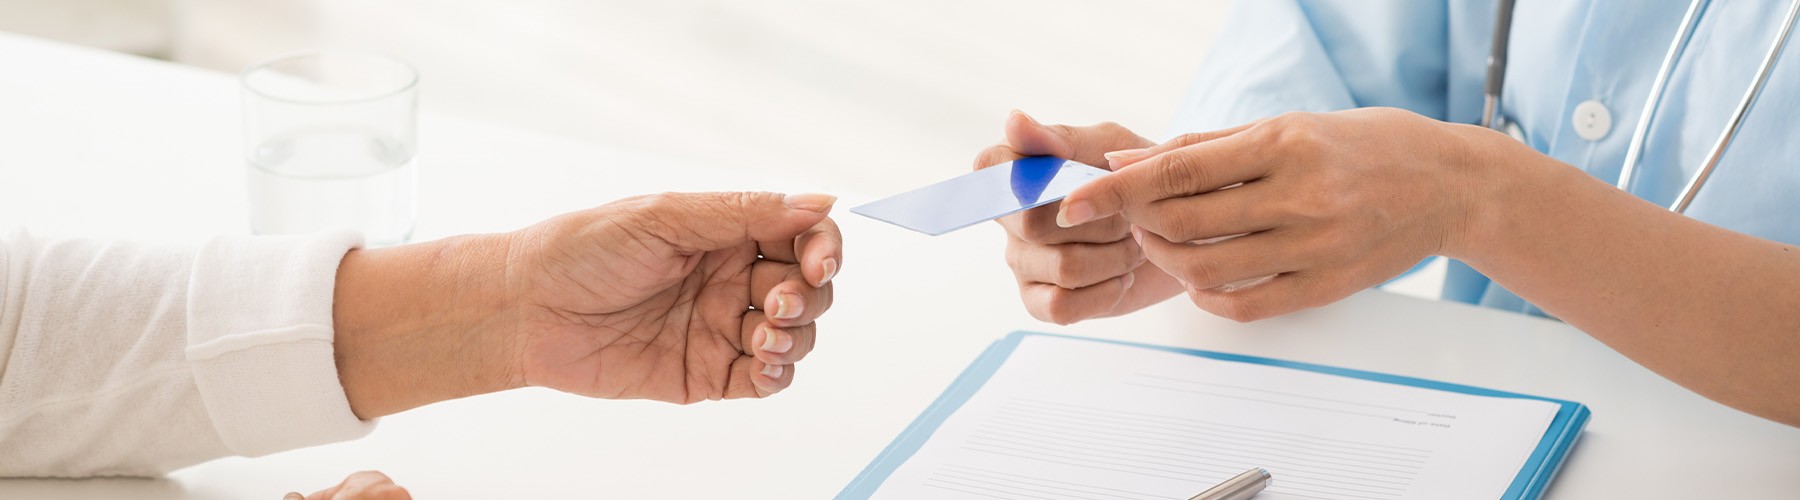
(983, 195)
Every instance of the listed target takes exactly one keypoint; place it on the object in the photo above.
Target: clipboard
(1539, 469)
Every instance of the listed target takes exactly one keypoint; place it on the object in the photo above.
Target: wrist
(422, 323)
(1489, 169)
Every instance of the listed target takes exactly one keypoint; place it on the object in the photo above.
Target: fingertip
(1126, 157)
(822, 256)
(1019, 117)
(828, 269)
(810, 202)
(774, 341)
(772, 378)
(1028, 137)
(787, 305)
(1074, 213)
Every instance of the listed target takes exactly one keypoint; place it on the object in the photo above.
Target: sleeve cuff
(260, 335)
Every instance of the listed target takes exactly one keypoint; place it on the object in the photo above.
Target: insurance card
(983, 195)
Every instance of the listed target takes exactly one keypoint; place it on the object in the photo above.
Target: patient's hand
(672, 297)
(365, 485)
(1088, 271)
(652, 297)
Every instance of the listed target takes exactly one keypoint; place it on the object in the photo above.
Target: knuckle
(1111, 129)
(1181, 175)
(1181, 229)
(1289, 119)
(1038, 233)
(1289, 128)
(1190, 138)
(1337, 241)
(1015, 254)
(660, 202)
(676, 206)
(1200, 274)
(1156, 219)
(1061, 308)
(744, 200)
(1070, 268)
(1146, 216)
(1322, 204)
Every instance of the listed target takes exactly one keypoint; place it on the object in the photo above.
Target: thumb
(701, 222)
(1028, 137)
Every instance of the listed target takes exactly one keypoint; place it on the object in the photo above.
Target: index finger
(1201, 167)
(702, 222)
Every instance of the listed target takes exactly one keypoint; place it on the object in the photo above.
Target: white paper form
(1069, 419)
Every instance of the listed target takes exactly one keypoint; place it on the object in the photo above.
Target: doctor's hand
(1330, 204)
(1070, 274)
(671, 297)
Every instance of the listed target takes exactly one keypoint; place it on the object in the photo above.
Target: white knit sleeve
(131, 360)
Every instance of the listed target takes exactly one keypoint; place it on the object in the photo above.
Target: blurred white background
(864, 95)
(859, 94)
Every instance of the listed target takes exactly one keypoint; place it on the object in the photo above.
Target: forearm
(1711, 309)
(126, 359)
(422, 323)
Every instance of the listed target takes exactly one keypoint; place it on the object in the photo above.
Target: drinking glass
(331, 142)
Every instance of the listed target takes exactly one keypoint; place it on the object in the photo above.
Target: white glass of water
(330, 138)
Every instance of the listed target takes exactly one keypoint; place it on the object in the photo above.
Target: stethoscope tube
(1737, 116)
(1634, 152)
(1496, 67)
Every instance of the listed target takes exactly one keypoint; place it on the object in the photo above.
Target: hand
(678, 298)
(672, 297)
(365, 485)
(1330, 204)
(1071, 274)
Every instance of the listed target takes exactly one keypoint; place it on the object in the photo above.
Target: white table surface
(103, 145)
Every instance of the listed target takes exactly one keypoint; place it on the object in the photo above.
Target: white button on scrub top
(1592, 120)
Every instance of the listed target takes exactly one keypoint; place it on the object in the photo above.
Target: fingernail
(1128, 279)
(1126, 156)
(772, 371)
(811, 202)
(1137, 233)
(830, 271)
(1028, 118)
(788, 306)
(776, 341)
(294, 495)
(1074, 213)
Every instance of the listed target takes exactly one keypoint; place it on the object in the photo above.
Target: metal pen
(1241, 487)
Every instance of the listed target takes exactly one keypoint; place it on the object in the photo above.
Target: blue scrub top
(1429, 57)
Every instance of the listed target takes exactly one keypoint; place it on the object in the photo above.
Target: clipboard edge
(1529, 484)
